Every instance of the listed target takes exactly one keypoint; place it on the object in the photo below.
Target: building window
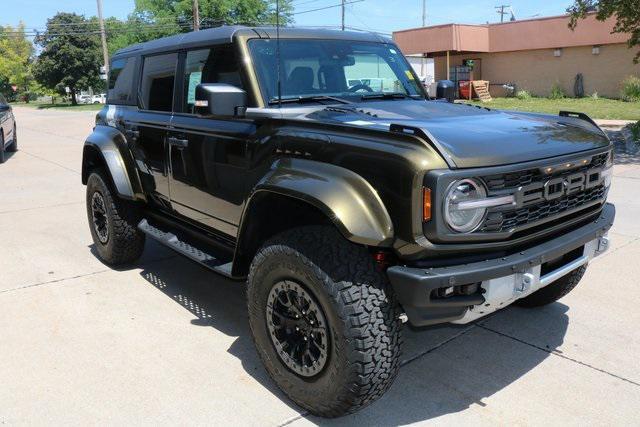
(557, 53)
(595, 50)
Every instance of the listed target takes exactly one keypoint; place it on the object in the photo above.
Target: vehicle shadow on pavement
(8, 155)
(216, 302)
(626, 151)
(437, 378)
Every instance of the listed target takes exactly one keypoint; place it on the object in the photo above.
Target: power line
(327, 7)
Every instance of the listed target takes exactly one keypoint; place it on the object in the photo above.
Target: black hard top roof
(225, 34)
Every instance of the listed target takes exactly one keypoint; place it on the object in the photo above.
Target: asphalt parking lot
(167, 342)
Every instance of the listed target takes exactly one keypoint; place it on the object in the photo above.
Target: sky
(376, 15)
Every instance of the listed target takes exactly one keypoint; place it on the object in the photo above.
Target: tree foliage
(70, 56)
(626, 13)
(15, 60)
(152, 19)
(215, 12)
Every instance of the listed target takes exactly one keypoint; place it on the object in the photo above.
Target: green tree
(213, 12)
(16, 53)
(70, 56)
(153, 19)
(626, 13)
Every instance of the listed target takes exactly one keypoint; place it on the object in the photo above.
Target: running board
(171, 240)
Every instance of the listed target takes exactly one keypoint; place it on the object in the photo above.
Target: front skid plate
(502, 291)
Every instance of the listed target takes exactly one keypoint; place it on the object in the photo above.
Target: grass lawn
(601, 108)
(59, 106)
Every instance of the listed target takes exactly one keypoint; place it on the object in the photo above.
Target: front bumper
(502, 280)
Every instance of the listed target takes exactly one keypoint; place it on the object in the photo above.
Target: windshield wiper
(384, 95)
(303, 99)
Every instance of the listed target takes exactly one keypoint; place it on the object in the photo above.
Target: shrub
(635, 131)
(595, 95)
(557, 92)
(631, 89)
(523, 95)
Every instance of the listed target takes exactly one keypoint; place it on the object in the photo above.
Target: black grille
(505, 221)
(525, 177)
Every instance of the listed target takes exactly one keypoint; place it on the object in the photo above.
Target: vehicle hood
(469, 136)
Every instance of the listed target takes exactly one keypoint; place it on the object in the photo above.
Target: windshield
(332, 68)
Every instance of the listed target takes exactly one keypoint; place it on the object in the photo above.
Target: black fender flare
(111, 145)
(345, 197)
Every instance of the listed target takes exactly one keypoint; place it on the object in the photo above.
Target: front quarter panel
(342, 195)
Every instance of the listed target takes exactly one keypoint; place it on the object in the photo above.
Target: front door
(208, 156)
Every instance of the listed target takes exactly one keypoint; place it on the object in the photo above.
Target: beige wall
(551, 32)
(537, 70)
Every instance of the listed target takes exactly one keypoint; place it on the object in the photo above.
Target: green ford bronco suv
(312, 166)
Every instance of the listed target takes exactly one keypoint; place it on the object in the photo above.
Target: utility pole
(342, 15)
(196, 16)
(103, 36)
(423, 65)
(501, 11)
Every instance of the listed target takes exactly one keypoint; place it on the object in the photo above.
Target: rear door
(208, 156)
(147, 126)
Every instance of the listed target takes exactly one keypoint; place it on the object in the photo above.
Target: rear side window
(121, 77)
(158, 78)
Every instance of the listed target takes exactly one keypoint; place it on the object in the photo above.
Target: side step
(191, 252)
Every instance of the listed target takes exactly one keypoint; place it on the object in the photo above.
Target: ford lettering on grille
(556, 188)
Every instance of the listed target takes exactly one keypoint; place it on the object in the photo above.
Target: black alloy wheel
(99, 217)
(298, 328)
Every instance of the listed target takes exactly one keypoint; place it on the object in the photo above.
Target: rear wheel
(113, 222)
(324, 320)
(553, 292)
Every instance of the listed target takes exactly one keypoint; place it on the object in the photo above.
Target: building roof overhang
(541, 33)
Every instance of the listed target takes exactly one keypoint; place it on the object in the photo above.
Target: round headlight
(461, 218)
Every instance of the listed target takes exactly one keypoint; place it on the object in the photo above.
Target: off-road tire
(14, 145)
(359, 306)
(125, 242)
(554, 291)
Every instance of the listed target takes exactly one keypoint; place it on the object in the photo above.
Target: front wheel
(113, 222)
(554, 291)
(324, 320)
(2, 150)
(14, 144)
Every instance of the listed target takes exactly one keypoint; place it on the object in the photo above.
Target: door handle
(132, 133)
(180, 143)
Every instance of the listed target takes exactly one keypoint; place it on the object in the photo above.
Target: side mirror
(220, 99)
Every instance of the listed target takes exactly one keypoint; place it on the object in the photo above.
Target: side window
(156, 86)
(2, 100)
(121, 75)
(215, 65)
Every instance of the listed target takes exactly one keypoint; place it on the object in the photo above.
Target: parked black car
(8, 135)
(314, 166)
